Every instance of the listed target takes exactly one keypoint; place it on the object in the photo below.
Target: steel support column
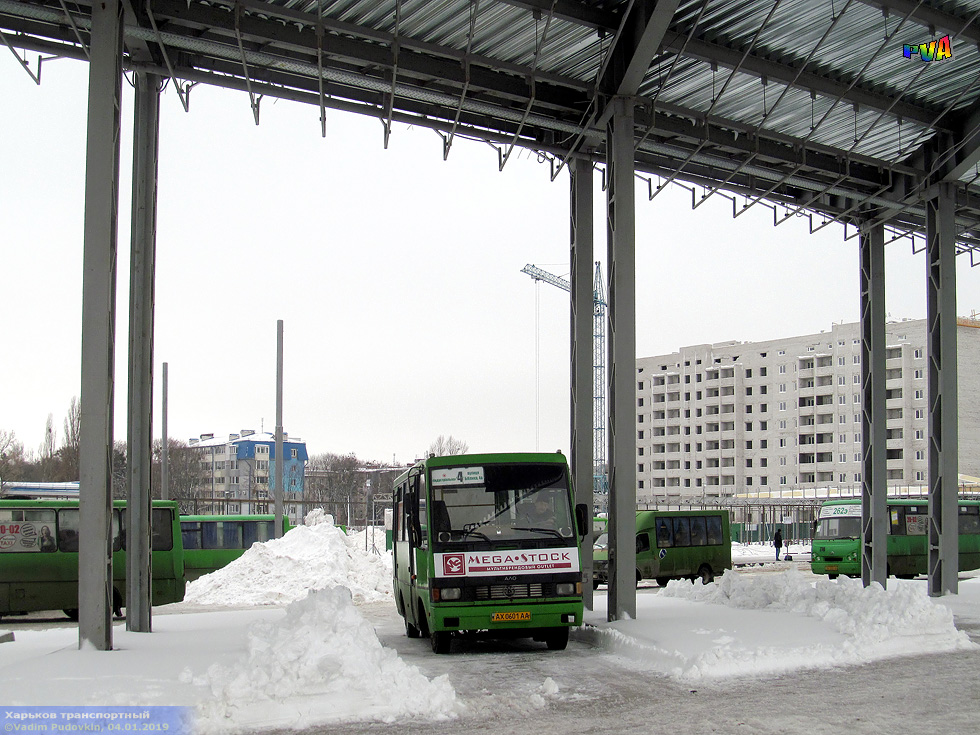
(874, 485)
(943, 437)
(582, 308)
(141, 304)
(621, 230)
(98, 327)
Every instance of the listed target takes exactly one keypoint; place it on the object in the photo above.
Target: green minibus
(488, 544)
(39, 556)
(674, 545)
(212, 542)
(837, 537)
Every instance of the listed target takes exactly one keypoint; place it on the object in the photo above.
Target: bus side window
(209, 534)
(897, 517)
(161, 529)
(397, 526)
(190, 533)
(231, 535)
(423, 514)
(665, 534)
(698, 531)
(68, 529)
(642, 542)
(256, 532)
(682, 532)
(969, 519)
(118, 531)
(715, 535)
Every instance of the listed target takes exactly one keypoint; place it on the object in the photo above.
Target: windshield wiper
(541, 530)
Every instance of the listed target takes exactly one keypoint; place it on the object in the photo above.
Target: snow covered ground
(286, 638)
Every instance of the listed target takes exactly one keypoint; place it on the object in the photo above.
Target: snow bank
(773, 623)
(865, 614)
(322, 663)
(310, 557)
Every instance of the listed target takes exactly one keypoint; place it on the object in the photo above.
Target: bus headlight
(448, 593)
(565, 589)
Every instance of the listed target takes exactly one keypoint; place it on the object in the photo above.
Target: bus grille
(509, 591)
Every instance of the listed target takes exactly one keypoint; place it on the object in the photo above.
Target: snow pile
(772, 623)
(322, 663)
(311, 557)
(865, 614)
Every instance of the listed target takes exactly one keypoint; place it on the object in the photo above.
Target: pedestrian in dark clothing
(777, 541)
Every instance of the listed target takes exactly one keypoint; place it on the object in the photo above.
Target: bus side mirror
(582, 518)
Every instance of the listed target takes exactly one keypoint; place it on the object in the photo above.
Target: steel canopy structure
(856, 112)
(809, 104)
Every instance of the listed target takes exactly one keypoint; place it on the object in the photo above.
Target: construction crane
(600, 476)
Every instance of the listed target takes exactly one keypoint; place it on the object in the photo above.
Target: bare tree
(183, 473)
(68, 453)
(334, 481)
(446, 446)
(47, 460)
(13, 462)
(118, 477)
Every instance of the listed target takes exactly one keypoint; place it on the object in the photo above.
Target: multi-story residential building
(736, 417)
(235, 472)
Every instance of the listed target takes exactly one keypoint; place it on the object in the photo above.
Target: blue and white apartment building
(236, 471)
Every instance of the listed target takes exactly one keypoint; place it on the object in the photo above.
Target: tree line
(334, 481)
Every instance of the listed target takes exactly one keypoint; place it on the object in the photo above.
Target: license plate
(831, 567)
(509, 617)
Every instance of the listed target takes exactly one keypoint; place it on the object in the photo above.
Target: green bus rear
(213, 542)
(39, 555)
(837, 547)
(674, 545)
(488, 544)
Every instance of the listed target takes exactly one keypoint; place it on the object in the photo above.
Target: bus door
(407, 543)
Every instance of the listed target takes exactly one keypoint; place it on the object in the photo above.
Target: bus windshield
(841, 527)
(501, 503)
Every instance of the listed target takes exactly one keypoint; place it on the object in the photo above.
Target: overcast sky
(397, 275)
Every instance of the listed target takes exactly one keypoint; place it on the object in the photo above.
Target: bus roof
(971, 500)
(46, 503)
(232, 517)
(458, 460)
(645, 518)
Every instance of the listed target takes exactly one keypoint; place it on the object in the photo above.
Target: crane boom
(600, 477)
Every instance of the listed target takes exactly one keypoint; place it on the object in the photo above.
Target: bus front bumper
(847, 568)
(507, 615)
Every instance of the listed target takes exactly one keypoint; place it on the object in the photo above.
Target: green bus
(837, 538)
(674, 545)
(39, 556)
(212, 542)
(488, 544)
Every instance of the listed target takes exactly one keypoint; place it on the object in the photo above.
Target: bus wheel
(557, 639)
(662, 581)
(638, 577)
(831, 576)
(440, 640)
(72, 613)
(707, 576)
(595, 583)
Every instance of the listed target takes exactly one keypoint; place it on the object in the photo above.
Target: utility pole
(165, 459)
(280, 474)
